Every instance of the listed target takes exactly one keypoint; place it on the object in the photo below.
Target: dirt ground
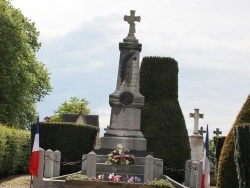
(16, 181)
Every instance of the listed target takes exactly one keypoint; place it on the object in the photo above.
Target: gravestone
(126, 101)
(196, 140)
(217, 132)
(201, 131)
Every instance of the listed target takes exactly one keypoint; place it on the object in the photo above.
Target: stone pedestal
(196, 145)
(139, 144)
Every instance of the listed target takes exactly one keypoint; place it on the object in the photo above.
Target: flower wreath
(120, 156)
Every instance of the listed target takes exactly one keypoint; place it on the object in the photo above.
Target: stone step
(126, 169)
(104, 158)
(124, 176)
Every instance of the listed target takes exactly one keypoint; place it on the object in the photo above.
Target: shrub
(79, 177)
(242, 154)
(227, 175)
(162, 121)
(161, 183)
(218, 144)
(72, 140)
(14, 150)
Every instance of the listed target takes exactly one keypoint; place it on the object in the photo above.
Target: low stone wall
(94, 184)
(54, 183)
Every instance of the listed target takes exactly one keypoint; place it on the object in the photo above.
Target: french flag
(205, 179)
(34, 160)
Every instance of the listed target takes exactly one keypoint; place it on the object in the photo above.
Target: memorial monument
(196, 140)
(126, 101)
(125, 122)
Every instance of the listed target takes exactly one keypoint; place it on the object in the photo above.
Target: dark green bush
(242, 154)
(72, 140)
(218, 144)
(227, 175)
(14, 150)
(162, 121)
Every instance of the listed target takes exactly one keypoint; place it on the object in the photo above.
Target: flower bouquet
(121, 157)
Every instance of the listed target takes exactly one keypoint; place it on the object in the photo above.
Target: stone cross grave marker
(201, 131)
(196, 117)
(131, 20)
(217, 132)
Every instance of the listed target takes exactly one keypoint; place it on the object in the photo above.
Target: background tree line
(24, 80)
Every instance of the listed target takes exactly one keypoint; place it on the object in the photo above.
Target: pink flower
(117, 178)
(131, 179)
(111, 176)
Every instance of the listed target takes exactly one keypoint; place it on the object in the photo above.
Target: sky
(209, 39)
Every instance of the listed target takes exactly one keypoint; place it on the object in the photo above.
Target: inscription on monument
(123, 141)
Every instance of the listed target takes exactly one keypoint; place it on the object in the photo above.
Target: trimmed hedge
(242, 154)
(72, 140)
(14, 150)
(218, 144)
(162, 121)
(227, 175)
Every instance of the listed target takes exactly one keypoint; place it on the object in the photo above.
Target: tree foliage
(23, 79)
(73, 105)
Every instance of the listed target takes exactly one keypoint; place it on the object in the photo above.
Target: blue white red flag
(205, 180)
(34, 160)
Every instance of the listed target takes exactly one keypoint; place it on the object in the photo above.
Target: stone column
(91, 164)
(149, 168)
(48, 166)
(187, 172)
(38, 181)
(56, 163)
(84, 164)
(193, 176)
(199, 174)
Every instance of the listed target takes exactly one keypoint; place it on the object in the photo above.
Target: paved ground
(16, 181)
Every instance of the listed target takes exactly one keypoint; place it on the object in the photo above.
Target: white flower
(119, 146)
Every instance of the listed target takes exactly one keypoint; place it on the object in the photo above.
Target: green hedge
(242, 154)
(72, 140)
(162, 121)
(227, 175)
(218, 144)
(14, 150)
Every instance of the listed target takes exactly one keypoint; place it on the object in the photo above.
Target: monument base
(139, 144)
(196, 145)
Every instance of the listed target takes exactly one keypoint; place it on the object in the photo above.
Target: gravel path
(17, 181)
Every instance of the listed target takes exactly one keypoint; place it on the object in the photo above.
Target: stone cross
(217, 132)
(131, 20)
(201, 131)
(196, 117)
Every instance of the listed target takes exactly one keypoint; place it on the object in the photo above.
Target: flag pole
(31, 177)
(31, 150)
